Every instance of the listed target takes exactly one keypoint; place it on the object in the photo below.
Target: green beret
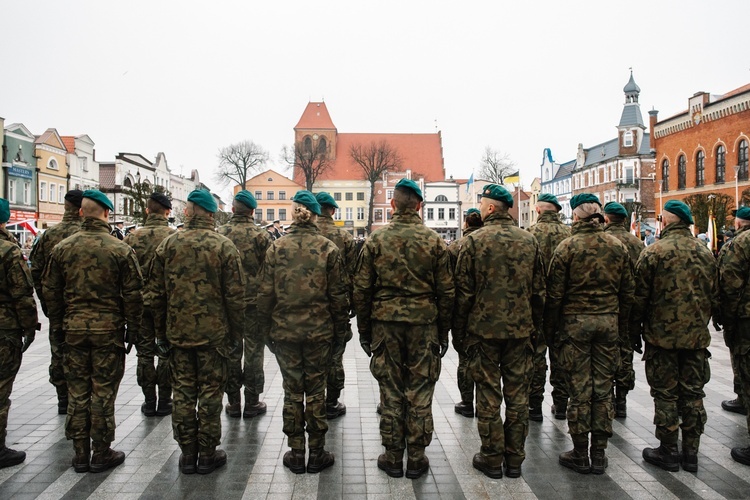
(307, 199)
(582, 198)
(473, 211)
(246, 199)
(4, 210)
(499, 193)
(326, 199)
(410, 184)
(680, 209)
(743, 213)
(99, 197)
(614, 208)
(203, 199)
(550, 198)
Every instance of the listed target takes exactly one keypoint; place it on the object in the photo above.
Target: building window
(282, 195)
(681, 172)
(27, 193)
(361, 196)
(378, 215)
(259, 215)
(12, 191)
(665, 175)
(322, 146)
(700, 169)
(259, 195)
(430, 214)
(282, 214)
(388, 214)
(84, 164)
(627, 139)
(269, 195)
(337, 214)
(441, 214)
(52, 164)
(360, 213)
(52, 191)
(42, 191)
(308, 144)
(389, 194)
(349, 213)
(721, 163)
(441, 198)
(61, 194)
(337, 196)
(742, 160)
(629, 175)
(349, 196)
(452, 213)
(479, 198)
(270, 212)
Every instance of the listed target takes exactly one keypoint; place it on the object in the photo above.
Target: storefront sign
(20, 172)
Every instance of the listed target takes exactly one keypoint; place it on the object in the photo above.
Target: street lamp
(736, 186)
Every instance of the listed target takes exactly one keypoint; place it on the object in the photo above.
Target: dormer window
(627, 139)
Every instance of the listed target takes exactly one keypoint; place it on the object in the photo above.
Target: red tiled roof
(70, 142)
(315, 116)
(734, 92)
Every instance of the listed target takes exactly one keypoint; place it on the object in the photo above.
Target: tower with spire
(631, 128)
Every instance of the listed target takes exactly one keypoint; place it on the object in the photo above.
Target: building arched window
(700, 168)
(126, 183)
(322, 146)
(742, 160)
(665, 175)
(721, 163)
(441, 197)
(681, 172)
(627, 139)
(308, 144)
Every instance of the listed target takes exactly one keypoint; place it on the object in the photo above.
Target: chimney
(652, 118)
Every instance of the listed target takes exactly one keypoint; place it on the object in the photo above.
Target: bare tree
(375, 159)
(239, 161)
(138, 196)
(310, 159)
(495, 166)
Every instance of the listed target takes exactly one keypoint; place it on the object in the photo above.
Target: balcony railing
(627, 183)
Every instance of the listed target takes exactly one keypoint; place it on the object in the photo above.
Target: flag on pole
(633, 225)
(513, 178)
(471, 181)
(711, 240)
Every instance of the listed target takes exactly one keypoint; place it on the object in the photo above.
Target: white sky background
(186, 77)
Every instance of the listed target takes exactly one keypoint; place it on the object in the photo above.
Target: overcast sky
(187, 77)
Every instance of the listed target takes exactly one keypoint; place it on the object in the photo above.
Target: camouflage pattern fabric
(199, 375)
(742, 360)
(625, 374)
(549, 231)
(304, 311)
(677, 378)
(252, 242)
(491, 361)
(199, 307)
(10, 362)
(590, 294)
(144, 241)
(406, 363)
(304, 368)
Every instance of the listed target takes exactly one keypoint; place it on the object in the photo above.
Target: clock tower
(316, 131)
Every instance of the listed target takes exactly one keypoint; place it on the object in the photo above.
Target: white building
(83, 168)
(180, 188)
(442, 209)
(127, 170)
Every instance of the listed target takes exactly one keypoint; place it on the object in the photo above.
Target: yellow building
(53, 177)
(274, 193)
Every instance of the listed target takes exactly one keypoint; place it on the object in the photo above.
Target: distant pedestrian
(649, 239)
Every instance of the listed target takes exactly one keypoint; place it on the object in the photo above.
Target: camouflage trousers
(464, 380)
(56, 368)
(199, 375)
(501, 370)
(740, 351)
(248, 371)
(10, 362)
(743, 368)
(625, 374)
(304, 367)
(557, 374)
(406, 363)
(147, 376)
(538, 375)
(677, 377)
(94, 366)
(590, 355)
(336, 375)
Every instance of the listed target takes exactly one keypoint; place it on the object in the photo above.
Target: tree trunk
(372, 208)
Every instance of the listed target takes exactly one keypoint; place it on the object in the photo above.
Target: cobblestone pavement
(255, 448)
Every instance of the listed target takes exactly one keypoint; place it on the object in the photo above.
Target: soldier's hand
(28, 338)
(636, 343)
(129, 339)
(366, 348)
(443, 349)
(163, 347)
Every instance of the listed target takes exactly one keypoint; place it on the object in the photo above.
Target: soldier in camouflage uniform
(18, 323)
(345, 242)
(616, 218)
(92, 287)
(465, 384)
(549, 231)
(144, 241)
(39, 257)
(676, 294)
(734, 267)
(499, 308)
(303, 288)
(403, 296)
(252, 242)
(589, 294)
(198, 301)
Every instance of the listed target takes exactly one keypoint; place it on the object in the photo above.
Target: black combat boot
(559, 409)
(82, 459)
(734, 405)
(234, 406)
(188, 458)
(621, 404)
(489, 466)
(465, 408)
(535, 412)
(164, 407)
(210, 459)
(149, 407)
(319, 459)
(577, 458)
(392, 463)
(741, 455)
(105, 458)
(665, 456)
(334, 408)
(689, 459)
(9, 458)
(417, 463)
(253, 405)
(599, 460)
(294, 460)
(62, 399)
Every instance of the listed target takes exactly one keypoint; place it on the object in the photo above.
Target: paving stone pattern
(255, 448)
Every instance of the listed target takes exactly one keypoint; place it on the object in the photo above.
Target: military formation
(201, 304)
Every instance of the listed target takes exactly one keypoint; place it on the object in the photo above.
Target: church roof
(631, 115)
(315, 116)
(631, 87)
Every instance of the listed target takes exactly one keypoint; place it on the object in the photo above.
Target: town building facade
(19, 180)
(273, 192)
(441, 210)
(52, 163)
(82, 166)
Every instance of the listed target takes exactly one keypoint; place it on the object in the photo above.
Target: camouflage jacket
(676, 290)
(198, 288)
(590, 273)
(17, 306)
(632, 243)
(93, 283)
(499, 282)
(403, 274)
(345, 242)
(40, 254)
(549, 231)
(734, 272)
(302, 292)
(144, 241)
(455, 247)
(252, 242)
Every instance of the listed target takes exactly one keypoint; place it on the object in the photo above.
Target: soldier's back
(549, 231)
